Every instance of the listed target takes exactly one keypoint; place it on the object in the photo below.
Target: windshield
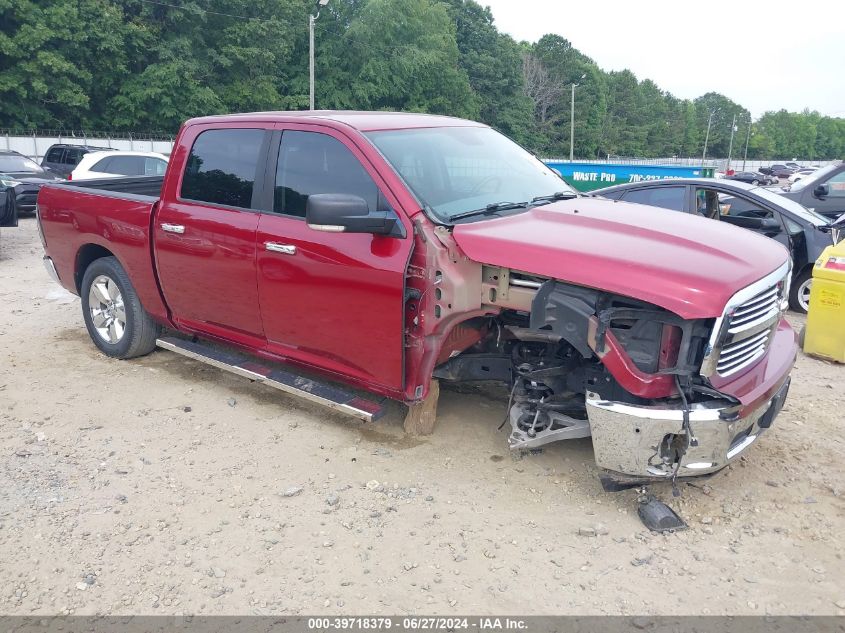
(455, 170)
(17, 164)
(813, 178)
(791, 206)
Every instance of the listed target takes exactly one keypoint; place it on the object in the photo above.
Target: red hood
(687, 264)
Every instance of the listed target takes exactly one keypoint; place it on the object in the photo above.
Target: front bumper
(638, 441)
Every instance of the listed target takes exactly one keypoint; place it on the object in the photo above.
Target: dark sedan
(752, 178)
(26, 177)
(805, 233)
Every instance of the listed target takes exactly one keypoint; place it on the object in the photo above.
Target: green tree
(403, 55)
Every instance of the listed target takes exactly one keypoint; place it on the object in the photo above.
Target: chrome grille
(742, 353)
(749, 330)
(743, 334)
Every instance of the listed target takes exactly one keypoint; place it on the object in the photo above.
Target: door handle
(173, 228)
(284, 249)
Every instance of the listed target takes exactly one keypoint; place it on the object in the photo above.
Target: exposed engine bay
(573, 341)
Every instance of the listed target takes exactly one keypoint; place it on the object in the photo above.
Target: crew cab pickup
(334, 253)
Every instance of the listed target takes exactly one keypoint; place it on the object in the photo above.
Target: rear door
(205, 232)
(332, 300)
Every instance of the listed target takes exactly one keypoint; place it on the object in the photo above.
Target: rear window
(54, 155)
(666, 197)
(221, 167)
(12, 163)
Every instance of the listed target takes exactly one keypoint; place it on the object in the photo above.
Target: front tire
(117, 322)
(799, 292)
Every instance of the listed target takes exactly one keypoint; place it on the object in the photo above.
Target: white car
(115, 164)
(798, 175)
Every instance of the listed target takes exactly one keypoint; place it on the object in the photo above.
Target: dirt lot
(163, 486)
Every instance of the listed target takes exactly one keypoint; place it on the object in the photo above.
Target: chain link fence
(34, 143)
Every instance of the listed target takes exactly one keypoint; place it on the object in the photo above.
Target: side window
(102, 165)
(54, 155)
(221, 167)
(154, 167)
(310, 163)
(837, 185)
(666, 197)
(73, 156)
(126, 165)
(613, 195)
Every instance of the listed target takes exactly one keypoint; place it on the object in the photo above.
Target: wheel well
(85, 257)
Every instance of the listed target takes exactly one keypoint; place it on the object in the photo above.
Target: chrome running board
(325, 394)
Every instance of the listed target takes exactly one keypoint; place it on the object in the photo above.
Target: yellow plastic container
(825, 332)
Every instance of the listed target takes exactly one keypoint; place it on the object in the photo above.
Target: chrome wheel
(108, 313)
(804, 294)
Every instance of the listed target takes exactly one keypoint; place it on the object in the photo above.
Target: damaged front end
(582, 362)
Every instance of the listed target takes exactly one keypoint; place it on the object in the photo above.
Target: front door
(742, 211)
(205, 234)
(331, 300)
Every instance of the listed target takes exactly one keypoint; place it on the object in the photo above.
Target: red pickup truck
(329, 253)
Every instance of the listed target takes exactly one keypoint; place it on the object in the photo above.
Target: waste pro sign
(590, 176)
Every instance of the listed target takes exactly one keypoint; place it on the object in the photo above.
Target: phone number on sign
(450, 624)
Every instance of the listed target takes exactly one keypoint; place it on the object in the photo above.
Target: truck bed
(136, 187)
(86, 219)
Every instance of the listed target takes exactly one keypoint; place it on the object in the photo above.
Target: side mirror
(770, 225)
(822, 191)
(345, 213)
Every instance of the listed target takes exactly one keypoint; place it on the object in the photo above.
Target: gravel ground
(162, 486)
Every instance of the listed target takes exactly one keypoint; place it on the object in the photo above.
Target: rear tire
(799, 292)
(117, 322)
(755, 182)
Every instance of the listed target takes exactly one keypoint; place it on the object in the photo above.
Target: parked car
(8, 204)
(798, 175)
(119, 163)
(823, 191)
(804, 233)
(25, 177)
(385, 250)
(794, 166)
(782, 172)
(752, 177)
(61, 158)
(771, 169)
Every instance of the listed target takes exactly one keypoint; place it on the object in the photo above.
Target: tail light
(70, 176)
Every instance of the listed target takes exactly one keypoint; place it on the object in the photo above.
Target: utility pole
(311, 19)
(731, 145)
(707, 136)
(572, 121)
(747, 138)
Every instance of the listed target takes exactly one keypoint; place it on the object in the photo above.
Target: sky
(764, 55)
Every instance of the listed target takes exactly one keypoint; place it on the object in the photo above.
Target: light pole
(747, 138)
(572, 121)
(311, 19)
(707, 136)
(731, 146)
